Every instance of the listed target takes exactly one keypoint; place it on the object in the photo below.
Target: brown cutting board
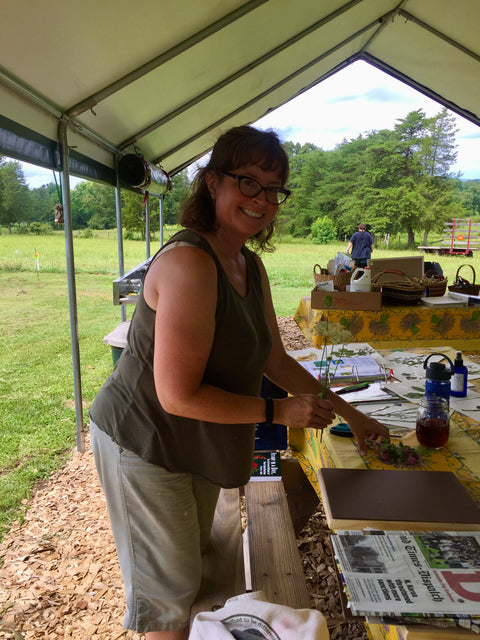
(397, 500)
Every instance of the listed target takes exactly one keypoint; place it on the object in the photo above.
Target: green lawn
(37, 418)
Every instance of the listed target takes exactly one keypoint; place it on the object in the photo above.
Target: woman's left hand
(362, 426)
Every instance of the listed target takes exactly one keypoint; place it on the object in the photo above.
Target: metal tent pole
(118, 210)
(147, 224)
(72, 297)
(160, 204)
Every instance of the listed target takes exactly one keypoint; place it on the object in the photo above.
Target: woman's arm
(181, 285)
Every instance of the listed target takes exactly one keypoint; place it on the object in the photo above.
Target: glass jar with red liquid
(433, 422)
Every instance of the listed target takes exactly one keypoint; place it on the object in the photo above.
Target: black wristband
(268, 411)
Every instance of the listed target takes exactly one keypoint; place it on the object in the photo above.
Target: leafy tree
(468, 193)
(342, 174)
(297, 155)
(93, 205)
(44, 199)
(294, 217)
(15, 202)
(298, 213)
(133, 213)
(323, 231)
(428, 157)
(406, 184)
(173, 198)
(438, 150)
(409, 132)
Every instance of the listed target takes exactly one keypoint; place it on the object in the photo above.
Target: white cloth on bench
(250, 617)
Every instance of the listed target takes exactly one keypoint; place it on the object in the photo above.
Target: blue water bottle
(437, 382)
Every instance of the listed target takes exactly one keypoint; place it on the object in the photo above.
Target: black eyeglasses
(251, 188)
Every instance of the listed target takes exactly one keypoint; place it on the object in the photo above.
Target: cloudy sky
(358, 100)
(354, 101)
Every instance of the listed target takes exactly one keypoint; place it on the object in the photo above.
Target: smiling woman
(184, 397)
(191, 421)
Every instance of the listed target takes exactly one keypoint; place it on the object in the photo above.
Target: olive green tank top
(127, 407)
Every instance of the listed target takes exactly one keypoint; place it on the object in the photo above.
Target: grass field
(37, 418)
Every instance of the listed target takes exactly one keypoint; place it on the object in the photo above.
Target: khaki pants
(161, 523)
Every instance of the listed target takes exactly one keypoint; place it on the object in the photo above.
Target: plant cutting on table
(400, 453)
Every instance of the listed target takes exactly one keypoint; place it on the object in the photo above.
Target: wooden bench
(264, 558)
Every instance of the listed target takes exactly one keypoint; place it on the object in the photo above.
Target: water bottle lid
(438, 371)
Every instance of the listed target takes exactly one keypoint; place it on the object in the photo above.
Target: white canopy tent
(167, 77)
(83, 83)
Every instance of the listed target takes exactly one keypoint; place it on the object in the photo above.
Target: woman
(175, 420)
(361, 246)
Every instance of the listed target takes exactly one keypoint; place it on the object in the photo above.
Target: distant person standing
(361, 246)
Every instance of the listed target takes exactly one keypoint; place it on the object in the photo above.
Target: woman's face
(236, 212)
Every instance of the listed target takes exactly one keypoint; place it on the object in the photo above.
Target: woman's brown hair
(235, 148)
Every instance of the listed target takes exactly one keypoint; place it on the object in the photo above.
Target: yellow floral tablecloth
(397, 326)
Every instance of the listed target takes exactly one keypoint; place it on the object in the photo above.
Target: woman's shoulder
(188, 236)
(186, 246)
(184, 238)
(180, 265)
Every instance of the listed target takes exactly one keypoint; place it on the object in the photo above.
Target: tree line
(396, 181)
(25, 210)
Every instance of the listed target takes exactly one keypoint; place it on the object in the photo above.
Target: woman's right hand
(303, 411)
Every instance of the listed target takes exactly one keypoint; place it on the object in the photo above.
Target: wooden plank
(276, 566)
(302, 499)
(223, 571)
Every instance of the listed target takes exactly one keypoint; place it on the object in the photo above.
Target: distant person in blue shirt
(361, 246)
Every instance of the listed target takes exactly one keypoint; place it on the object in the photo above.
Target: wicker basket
(461, 285)
(340, 279)
(434, 282)
(321, 275)
(406, 291)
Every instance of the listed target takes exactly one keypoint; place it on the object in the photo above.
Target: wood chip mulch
(59, 576)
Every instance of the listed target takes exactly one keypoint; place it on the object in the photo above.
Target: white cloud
(38, 176)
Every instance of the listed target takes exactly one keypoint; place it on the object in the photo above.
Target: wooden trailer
(461, 236)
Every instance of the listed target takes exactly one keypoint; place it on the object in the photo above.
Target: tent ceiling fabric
(168, 77)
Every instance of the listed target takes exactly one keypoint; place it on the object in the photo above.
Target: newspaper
(400, 573)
